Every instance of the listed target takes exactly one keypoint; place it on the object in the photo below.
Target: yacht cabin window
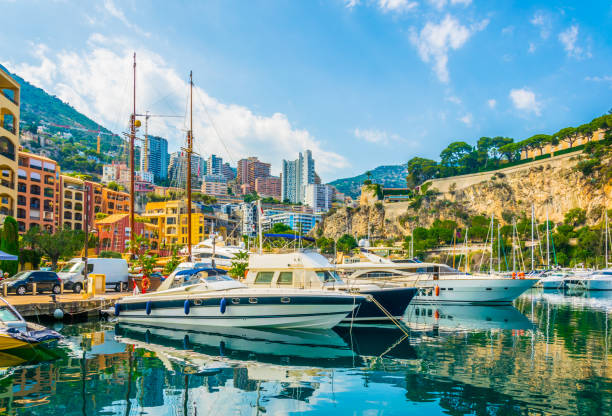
(264, 278)
(285, 278)
(328, 276)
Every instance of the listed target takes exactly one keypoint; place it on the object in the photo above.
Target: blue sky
(362, 83)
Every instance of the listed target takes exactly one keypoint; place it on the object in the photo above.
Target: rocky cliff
(555, 186)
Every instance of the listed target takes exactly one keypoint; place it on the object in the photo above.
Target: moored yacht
(438, 282)
(597, 280)
(310, 270)
(208, 297)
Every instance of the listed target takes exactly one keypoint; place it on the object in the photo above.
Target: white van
(115, 270)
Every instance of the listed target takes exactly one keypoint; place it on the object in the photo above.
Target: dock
(72, 305)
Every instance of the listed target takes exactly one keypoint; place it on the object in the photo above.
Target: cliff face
(555, 186)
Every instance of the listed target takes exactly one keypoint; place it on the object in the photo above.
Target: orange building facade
(36, 192)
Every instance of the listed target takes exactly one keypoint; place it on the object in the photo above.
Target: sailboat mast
(513, 248)
(547, 242)
(606, 231)
(532, 220)
(491, 256)
(189, 151)
(498, 247)
(132, 139)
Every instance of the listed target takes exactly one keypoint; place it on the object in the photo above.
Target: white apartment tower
(296, 175)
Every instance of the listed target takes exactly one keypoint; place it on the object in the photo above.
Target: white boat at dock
(438, 282)
(211, 298)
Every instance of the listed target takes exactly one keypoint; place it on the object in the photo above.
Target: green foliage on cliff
(460, 158)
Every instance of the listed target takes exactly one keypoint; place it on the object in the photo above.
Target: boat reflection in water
(343, 347)
(465, 317)
(597, 300)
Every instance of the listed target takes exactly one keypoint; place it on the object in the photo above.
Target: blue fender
(223, 305)
(148, 307)
(117, 309)
(187, 307)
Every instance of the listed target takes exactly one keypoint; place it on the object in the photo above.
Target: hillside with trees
(492, 153)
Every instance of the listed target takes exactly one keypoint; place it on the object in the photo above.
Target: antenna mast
(188, 175)
(132, 138)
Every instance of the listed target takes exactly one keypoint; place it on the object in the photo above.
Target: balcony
(34, 215)
(9, 94)
(48, 216)
(7, 183)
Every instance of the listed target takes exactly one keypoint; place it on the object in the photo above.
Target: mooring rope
(391, 317)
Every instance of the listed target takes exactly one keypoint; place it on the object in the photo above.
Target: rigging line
(212, 123)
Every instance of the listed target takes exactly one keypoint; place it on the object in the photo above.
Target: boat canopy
(290, 237)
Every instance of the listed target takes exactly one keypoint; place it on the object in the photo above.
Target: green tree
(326, 245)
(113, 186)
(511, 151)
(280, 228)
(250, 197)
(10, 244)
(575, 217)
(454, 153)
(569, 135)
(538, 142)
(64, 243)
(174, 261)
(239, 265)
(346, 243)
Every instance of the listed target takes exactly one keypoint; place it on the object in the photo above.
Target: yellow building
(71, 193)
(9, 142)
(170, 221)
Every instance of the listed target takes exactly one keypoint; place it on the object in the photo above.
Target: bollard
(34, 289)
(61, 287)
(5, 289)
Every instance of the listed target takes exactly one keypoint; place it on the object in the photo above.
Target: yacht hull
(472, 290)
(394, 300)
(552, 284)
(598, 284)
(308, 312)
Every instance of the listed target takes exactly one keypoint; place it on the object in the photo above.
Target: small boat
(553, 280)
(208, 297)
(15, 332)
(597, 280)
(310, 270)
(438, 282)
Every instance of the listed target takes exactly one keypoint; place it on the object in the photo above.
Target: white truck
(115, 270)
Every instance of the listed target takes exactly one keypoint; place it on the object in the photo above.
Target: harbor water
(549, 354)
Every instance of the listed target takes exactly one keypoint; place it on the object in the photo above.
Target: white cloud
(453, 99)
(349, 4)
(532, 47)
(440, 4)
(525, 100)
(508, 30)
(568, 39)
(604, 79)
(467, 119)
(491, 103)
(397, 5)
(378, 136)
(116, 12)
(542, 21)
(97, 82)
(434, 42)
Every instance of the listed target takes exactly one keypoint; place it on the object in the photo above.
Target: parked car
(115, 270)
(21, 283)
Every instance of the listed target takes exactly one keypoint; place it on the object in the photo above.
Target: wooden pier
(72, 305)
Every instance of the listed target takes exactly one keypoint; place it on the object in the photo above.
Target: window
(67, 215)
(48, 192)
(35, 164)
(21, 200)
(49, 167)
(21, 213)
(78, 216)
(77, 226)
(49, 180)
(285, 278)
(35, 190)
(78, 206)
(264, 278)
(35, 177)
(68, 195)
(7, 148)
(22, 174)
(327, 276)
(78, 196)
(67, 205)
(21, 187)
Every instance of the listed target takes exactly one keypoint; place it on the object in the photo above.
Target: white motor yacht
(310, 270)
(211, 298)
(223, 254)
(438, 282)
(553, 280)
(597, 280)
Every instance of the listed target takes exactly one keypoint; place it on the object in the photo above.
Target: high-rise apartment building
(250, 169)
(214, 165)
(9, 142)
(36, 193)
(156, 161)
(228, 171)
(296, 175)
(319, 197)
(214, 185)
(268, 187)
(177, 169)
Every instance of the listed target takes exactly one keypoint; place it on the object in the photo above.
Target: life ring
(522, 275)
(437, 290)
(514, 275)
(146, 283)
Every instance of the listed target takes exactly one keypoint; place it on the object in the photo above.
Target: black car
(22, 282)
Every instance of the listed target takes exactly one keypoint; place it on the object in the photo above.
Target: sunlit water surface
(549, 354)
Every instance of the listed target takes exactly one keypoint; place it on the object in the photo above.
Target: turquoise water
(548, 354)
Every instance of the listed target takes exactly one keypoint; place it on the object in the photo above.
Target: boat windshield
(6, 314)
(328, 276)
(203, 277)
